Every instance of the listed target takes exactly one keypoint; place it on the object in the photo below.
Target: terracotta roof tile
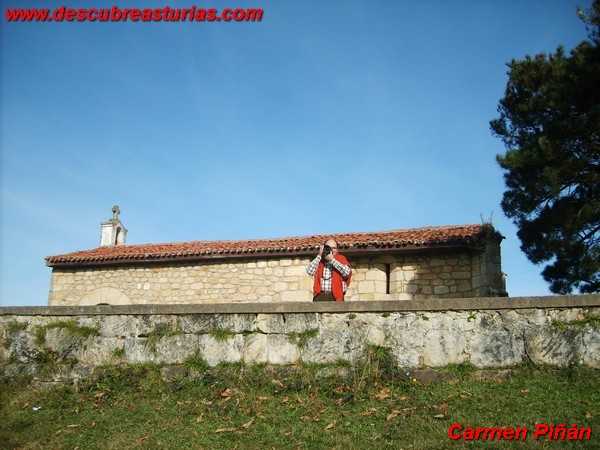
(425, 237)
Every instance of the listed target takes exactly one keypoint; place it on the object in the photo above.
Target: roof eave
(361, 251)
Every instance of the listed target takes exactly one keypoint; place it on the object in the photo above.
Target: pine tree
(550, 125)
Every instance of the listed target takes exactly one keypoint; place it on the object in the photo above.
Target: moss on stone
(118, 352)
(13, 326)
(379, 361)
(222, 334)
(458, 369)
(300, 339)
(48, 362)
(197, 362)
(71, 327)
(342, 363)
(589, 320)
(161, 330)
(46, 356)
(39, 335)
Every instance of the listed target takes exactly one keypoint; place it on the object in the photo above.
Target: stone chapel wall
(379, 277)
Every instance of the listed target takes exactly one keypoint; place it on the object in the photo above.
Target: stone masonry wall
(273, 280)
(76, 344)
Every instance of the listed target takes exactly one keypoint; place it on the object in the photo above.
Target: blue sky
(325, 117)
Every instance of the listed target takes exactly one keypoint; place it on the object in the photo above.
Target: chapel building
(404, 264)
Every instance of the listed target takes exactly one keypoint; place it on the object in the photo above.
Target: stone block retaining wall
(486, 332)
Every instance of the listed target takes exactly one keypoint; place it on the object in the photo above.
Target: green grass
(264, 407)
(13, 326)
(196, 362)
(589, 320)
(300, 339)
(459, 369)
(70, 326)
(118, 352)
(39, 335)
(48, 362)
(161, 330)
(221, 334)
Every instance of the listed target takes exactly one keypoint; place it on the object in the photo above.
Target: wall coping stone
(365, 306)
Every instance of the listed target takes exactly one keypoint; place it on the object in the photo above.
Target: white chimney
(112, 232)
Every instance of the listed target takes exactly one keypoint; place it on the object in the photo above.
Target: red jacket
(337, 289)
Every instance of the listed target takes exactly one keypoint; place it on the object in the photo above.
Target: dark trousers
(324, 297)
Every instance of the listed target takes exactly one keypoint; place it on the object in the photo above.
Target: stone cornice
(431, 304)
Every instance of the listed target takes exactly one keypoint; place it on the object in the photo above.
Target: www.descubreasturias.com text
(117, 14)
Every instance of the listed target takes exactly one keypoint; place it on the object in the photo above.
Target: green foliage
(13, 326)
(385, 362)
(161, 330)
(48, 362)
(119, 352)
(109, 380)
(460, 370)
(46, 357)
(376, 364)
(197, 362)
(267, 407)
(591, 18)
(550, 125)
(70, 326)
(39, 335)
(221, 334)
(342, 363)
(588, 321)
(301, 339)
(235, 366)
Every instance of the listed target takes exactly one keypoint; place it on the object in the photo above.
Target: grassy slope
(260, 408)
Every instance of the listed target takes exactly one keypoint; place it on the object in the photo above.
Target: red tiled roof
(426, 237)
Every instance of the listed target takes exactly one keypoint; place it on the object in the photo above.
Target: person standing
(331, 272)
